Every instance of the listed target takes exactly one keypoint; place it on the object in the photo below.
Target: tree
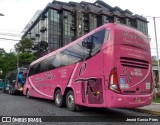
(26, 58)
(8, 62)
(155, 61)
(25, 43)
(2, 51)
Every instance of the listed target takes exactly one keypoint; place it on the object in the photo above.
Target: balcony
(29, 33)
(73, 28)
(43, 29)
(33, 38)
(65, 16)
(37, 35)
(43, 17)
(86, 29)
(86, 19)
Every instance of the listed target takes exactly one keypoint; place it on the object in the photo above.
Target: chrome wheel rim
(58, 98)
(70, 100)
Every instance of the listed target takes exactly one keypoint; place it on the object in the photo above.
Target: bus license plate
(137, 100)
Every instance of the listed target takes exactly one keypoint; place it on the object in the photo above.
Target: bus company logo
(133, 36)
(38, 79)
(137, 72)
(49, 76)
(6, 119)
(82, 69)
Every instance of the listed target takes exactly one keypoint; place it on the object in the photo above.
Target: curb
(148, 111)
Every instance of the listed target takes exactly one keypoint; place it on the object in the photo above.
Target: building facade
(61, 23)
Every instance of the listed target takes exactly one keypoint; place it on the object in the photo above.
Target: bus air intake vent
(134, 63)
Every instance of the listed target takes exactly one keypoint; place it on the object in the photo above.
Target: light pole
(155, 31)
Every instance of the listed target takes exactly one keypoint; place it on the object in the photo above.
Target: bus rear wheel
(59, 99)
(70, 101)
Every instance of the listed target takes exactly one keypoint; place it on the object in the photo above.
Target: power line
(9, 39)
(10, 34)
(151, 16)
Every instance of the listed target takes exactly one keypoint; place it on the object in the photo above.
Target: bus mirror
(88, 44)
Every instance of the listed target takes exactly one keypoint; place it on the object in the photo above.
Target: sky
(17, 13)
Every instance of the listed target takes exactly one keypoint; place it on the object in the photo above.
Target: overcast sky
(17, 13)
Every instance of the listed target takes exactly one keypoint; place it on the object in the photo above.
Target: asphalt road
(20, 106)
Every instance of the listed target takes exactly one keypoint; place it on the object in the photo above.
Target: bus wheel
(70, 101)
(59, 99)
(27, 94)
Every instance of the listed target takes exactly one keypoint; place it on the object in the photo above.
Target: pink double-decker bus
(108, 67)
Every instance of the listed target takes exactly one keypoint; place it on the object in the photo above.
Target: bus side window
(37, 68)
(93, 44)
(64, 58)
(43, 66)
(57, 61)
(75, 53)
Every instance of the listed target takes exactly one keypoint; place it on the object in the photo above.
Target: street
(15, 105)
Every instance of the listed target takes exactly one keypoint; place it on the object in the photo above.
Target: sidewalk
(153, 109)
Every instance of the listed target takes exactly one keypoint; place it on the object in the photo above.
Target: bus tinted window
(80, 51)
(64, 58)
(50, 63)
(93, 43)
(75, 53)
(57, 61)
(37, 68)
(44, 65)
(31, 71)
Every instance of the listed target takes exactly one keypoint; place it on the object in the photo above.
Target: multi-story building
(61, 23)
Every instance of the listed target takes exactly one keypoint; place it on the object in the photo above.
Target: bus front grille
(134, 63)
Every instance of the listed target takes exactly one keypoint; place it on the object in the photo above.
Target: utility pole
(155, 31)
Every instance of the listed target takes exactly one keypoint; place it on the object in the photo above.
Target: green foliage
(8, 61)
(154, 61)
(23, 44)
(26, 58)
(157, 100)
